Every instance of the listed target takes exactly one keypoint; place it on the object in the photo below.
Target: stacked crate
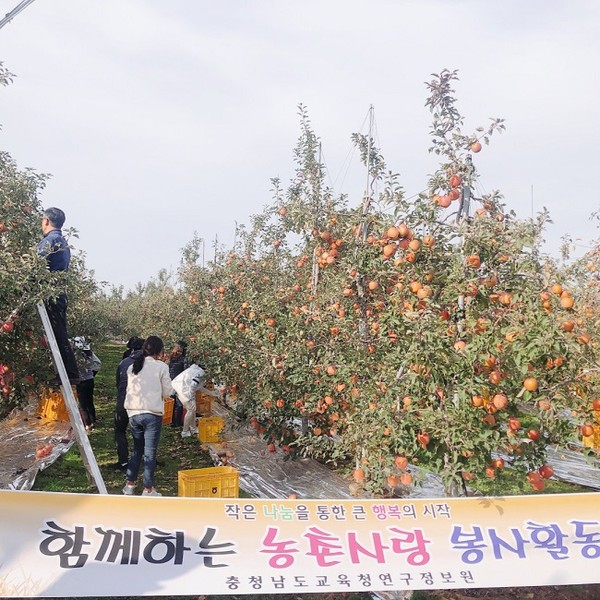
(203, 404)
(209, 429)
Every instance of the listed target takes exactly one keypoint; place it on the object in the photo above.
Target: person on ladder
(54, 248)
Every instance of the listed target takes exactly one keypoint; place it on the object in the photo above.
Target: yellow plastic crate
(212, 482)
(209, 429)
(168, 414)
(52, 406)
(203, 404)
(593, 441)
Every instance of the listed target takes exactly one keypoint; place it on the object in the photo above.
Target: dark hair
(136, 344)
(151, 347)
(56, 216)
(183, 345)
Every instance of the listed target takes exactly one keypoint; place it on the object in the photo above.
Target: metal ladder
(87, 454)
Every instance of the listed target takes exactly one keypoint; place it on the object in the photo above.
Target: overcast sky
(157, 119)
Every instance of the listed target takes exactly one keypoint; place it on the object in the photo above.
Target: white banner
(90, 545)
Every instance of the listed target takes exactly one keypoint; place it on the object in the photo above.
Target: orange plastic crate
(168, 414)
(209, 429)
(52, 406)
(212, 482)
(203, 404)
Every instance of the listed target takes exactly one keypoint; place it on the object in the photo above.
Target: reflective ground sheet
(270, 475)
(22, 435)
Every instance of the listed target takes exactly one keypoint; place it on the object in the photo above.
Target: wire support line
(348, 160)
(9, 16)
(345, 168)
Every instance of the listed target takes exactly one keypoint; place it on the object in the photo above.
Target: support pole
(361, 236)
(464, 208)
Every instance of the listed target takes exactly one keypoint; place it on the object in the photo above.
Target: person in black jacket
(128, 346)
(121, 417)
(177, 364)
(88, 367)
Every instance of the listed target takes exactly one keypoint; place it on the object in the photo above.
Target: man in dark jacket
(54, 248)
(121, 417)
(177, 364)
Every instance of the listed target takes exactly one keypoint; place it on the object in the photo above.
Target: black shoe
(118, 466)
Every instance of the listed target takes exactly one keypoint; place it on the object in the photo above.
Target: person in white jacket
(186, 384)
(148, 384)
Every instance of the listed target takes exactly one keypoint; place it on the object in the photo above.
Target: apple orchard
(402, 331)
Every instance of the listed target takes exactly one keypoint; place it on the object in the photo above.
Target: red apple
(514, 423)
